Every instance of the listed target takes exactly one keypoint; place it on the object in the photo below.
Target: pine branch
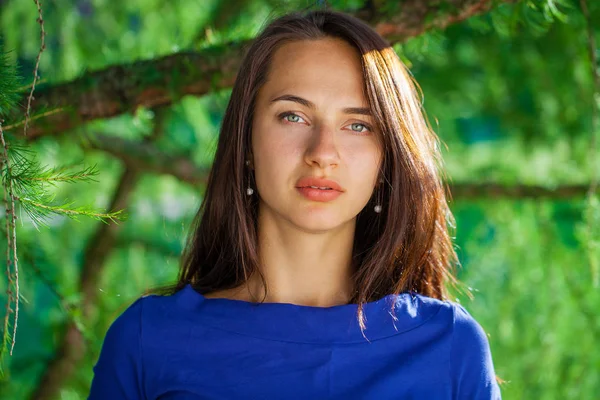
(9, 81)
(39, 211)
(8, 183)
(40, 20)
(60, 174)
(11, 236)
(40, 114)
(30, 187)
(6, 338)
(25, 182)
(123, 88)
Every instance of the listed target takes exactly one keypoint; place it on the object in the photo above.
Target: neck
(304, 268)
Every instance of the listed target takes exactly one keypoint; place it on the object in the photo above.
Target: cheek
(275, 155)
(363, 162)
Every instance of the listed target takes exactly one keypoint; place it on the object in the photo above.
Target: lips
(309, 187)
(319, 183)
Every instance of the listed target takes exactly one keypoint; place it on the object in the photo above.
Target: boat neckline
(391, 315)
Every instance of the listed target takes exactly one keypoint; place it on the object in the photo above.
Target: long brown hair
(405, 247)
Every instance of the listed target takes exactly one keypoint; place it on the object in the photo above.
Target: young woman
(318, 263)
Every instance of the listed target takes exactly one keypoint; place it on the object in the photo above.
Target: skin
(305, 247)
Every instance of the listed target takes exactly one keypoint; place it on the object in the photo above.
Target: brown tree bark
(150, 159)
(123, 88)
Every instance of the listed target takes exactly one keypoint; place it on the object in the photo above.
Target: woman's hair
(405, 247)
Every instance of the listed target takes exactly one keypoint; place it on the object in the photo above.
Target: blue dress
(186, 346)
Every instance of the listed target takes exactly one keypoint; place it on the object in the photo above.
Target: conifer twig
(34, 117)
(9, 274)
(11, 225)
(40, 20)
(58, 174)
(72, 212)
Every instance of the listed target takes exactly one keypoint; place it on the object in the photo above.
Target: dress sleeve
(118, 371)
(472, 369)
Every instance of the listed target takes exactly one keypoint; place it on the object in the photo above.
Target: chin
(319, 223)
(315, 218)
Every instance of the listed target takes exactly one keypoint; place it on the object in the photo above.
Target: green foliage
(25, 184)
(538, 16)
(534, 297)
(9, 84)
(588, 234)
(30, 187)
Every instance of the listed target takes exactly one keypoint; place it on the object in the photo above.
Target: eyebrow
(308, 104)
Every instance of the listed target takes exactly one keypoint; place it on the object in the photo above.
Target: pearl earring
(249, 190)
(378, 207)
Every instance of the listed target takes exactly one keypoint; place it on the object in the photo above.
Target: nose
(322, 148)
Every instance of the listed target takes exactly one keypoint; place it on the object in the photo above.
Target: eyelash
(282, 116)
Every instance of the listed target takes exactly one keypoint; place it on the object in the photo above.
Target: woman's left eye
(360, 128)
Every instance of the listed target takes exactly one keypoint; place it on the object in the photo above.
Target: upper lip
(318, 182)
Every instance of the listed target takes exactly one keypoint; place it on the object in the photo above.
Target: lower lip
(319, 194)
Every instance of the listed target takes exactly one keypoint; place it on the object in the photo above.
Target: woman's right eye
(291, 117)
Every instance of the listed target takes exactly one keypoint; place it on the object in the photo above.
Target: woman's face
(312, 120)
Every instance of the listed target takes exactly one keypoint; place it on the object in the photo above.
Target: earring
(378, 206)
(249, 190)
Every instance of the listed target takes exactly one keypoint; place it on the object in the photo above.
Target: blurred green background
(510, 93)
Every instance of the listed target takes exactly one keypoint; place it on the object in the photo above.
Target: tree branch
(120, 89)
(148, 158)
(415, 17)
(485, 190)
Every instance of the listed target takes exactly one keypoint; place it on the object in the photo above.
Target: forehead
(325, 68)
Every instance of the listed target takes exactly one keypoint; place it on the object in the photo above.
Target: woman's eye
(292, 117)
(360, 128)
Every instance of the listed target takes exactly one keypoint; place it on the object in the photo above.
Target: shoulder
(126, 327)
(455, 316)
(425, 308)
(468, 334)
(471, 366)
(140, 309)
(127, 355)
(118, 370)
(136, 324)
(412, 311)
